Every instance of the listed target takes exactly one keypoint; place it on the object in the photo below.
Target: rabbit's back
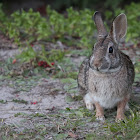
(83, 75)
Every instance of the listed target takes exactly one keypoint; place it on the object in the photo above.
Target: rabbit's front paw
(100, 118)
(119, 118)
(89, 106)
(88, 102)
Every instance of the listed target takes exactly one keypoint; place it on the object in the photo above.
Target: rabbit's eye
(110, 50)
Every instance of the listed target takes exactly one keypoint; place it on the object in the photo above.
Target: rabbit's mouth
(101, 70)
(99, 67)
(106, 70)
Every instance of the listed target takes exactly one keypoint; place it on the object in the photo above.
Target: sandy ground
(48, 94)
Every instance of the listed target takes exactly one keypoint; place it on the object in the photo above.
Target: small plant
(27, 55)
(127, 129)
(42, 58)
(133, 15)
(31, 26)
(20, 101)
(76, 28)
(3, 102)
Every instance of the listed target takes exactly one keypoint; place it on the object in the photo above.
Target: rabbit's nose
(97, 64)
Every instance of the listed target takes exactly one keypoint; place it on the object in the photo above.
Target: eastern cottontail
(107, 76)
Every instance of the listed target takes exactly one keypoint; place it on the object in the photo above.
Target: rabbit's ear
(100, 25)
(119, 28)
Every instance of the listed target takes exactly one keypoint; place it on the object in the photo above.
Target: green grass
(20, 101)
(81, 122)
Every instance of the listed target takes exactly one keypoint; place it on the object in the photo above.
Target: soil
(47, 95)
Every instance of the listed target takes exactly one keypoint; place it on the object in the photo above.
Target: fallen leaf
(14, 61)
(72, 135)
(34, 102)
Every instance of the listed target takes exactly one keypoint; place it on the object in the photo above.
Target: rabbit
(106, 77)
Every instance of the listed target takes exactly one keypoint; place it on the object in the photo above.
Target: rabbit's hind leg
(81, 90)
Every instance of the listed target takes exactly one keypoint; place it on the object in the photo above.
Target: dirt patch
(47, 95)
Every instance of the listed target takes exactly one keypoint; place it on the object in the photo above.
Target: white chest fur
(107, 90)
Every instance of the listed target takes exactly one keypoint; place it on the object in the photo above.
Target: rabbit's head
(106, 57)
